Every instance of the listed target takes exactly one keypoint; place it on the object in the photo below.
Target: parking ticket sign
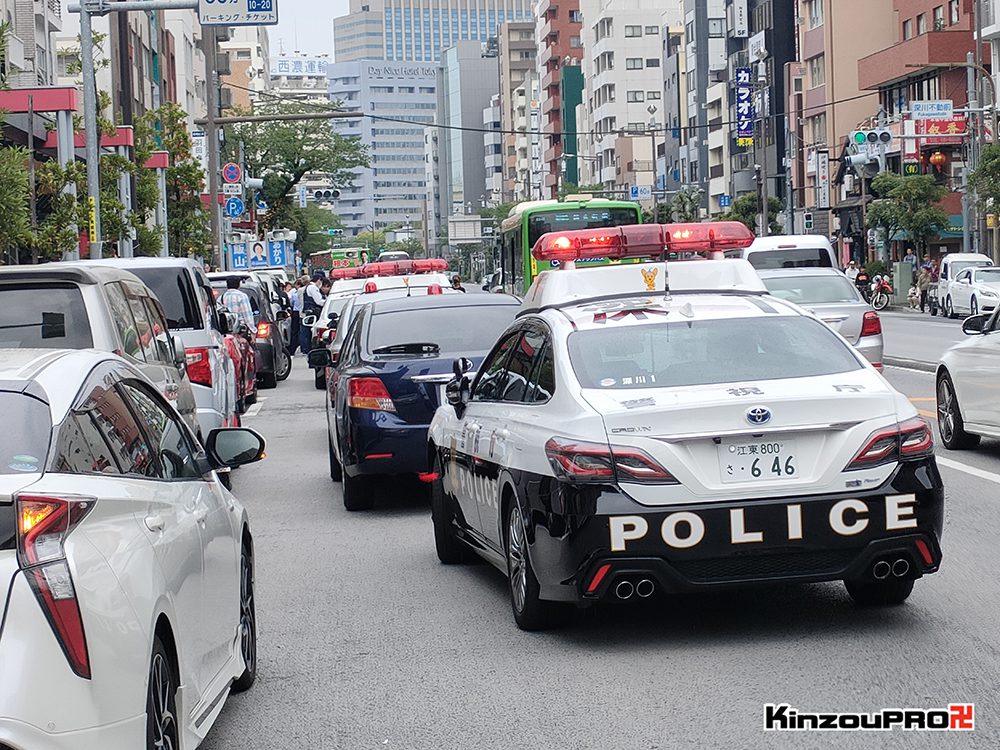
(238, 12)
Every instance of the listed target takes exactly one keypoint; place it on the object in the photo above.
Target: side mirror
(180, 355)
(333, 319)
(319, 358)
(226, 323)
(455, 392)
(974, 325)
(281, 315)
(461, 366)
(309, 321)
(234, 446)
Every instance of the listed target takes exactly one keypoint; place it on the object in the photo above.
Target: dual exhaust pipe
(643, 589)
(884, 568)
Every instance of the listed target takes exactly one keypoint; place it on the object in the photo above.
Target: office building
(417, 31)
(393, 190)
(493, 148)
(189, 59)
(249, 55)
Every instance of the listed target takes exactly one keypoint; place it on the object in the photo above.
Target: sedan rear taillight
(872, 325)
(199, 366)
(578, 461)
(370, 394)
(263, 331)
(906, 440)
(43, 523)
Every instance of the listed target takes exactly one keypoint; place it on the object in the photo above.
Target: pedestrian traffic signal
(807, 221)
(877, 137)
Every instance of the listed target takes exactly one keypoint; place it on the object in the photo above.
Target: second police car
(669, 426)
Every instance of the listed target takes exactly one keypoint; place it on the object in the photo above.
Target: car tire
(336, 472)
(450, 549)
(885, 593)
(934, 308)
(162, 728)
(283, 365)
(248, 621)
(251, 398)
(358, 493)
(949, 309)
(267, 380)
(974, 307)
(951, 426)
(319, 378)
(531, 613)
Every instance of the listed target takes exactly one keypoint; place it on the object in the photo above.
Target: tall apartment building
(558, 32)
(191, 91)
(515, 48)
(302, 77)
(393, 190)
(493, 148)
(418, 30)
(249, 51)
(671, 175)
(31, 40)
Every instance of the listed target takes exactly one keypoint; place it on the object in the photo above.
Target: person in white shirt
(852, 271)
(312, 304)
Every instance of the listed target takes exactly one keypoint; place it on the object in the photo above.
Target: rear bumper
(568, 548)
(871, 348)
(264, 357)
(128, 733)
(381, 443)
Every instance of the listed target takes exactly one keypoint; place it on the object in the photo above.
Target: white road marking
(254, 410)
(989, 476)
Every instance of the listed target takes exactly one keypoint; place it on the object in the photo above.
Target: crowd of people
(925, 273)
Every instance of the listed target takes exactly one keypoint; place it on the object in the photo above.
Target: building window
(817, 129)
(633, 63)
(817, 71)
(633, 31)
(652, 94)
(716, 28)
(652, 30)
(575, 42)
(953, 12)
(635, 96)
(815, 13)
(939, 18)
(575, 16)
(652, 62)
(907, 29)
(922, 24)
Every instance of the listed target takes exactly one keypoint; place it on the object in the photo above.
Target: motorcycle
(881, 292)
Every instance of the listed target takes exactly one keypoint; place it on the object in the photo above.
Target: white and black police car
(669, 426)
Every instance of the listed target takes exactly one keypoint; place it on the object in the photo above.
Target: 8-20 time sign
(238, 12)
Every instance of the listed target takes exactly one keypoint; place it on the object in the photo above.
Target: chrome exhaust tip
(644, 589)
(624, 590)
(881, 570)
(901, 567)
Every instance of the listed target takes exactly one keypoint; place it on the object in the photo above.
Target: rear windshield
(456, 330)
(24, 441)
(173, 288)
(812, 290)
(791, 257)
(706, 352)
(43, 316)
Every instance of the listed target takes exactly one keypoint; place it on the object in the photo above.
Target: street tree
(283, 153)
(908, 204)
(15, 228)
(745, 209)
(686, 204)
(311, 224)
(412, 245)
(985, 179)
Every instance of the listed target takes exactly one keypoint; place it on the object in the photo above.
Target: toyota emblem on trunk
(758, 415)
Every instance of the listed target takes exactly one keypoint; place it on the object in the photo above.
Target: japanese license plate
(757, 460)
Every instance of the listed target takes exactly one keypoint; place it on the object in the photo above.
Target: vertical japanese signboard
(744, 107)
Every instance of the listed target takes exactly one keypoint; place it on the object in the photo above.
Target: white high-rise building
(189, 62)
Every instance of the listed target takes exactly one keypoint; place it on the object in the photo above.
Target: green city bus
(530, 220)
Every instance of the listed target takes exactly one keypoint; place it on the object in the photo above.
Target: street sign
(232, 172)
(238, 12)
(303, 197)
(641, 192)
(911, 168)
(199, 149)
(938, 109)
(744, 107)
(238, 253)
(92, 219)
(725, 201)
(822, 178)
(261, 204)
(232, 188)
(235, 208)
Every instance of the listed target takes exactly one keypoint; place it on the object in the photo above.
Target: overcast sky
(306, 25)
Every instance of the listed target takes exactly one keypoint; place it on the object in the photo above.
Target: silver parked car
(831, 297)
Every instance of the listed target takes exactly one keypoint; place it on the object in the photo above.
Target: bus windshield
(544, 222)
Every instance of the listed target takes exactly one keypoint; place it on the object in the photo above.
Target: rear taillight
(43, 523)
(199, 366)
(872, 325)
(369, 393)
(578, 461)
(263, 330)
(907, 440)
(434, 289)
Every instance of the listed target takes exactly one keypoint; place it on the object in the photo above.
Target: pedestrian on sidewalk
(293, 292)
(924, 280)
(851, 271)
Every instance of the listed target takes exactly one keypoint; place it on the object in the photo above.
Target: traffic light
(807, 221)
(863, 163)
(876, 137)
(326, 194)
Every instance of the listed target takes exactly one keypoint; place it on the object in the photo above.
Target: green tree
(907, 204)
(745, 211)
(59, 210)
(165, 129)
(685, 206)
(414, 246)
(985, 179)
(15, 228)
(311, 224)
(283, 153)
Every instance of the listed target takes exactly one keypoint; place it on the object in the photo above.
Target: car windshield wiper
(414, 348)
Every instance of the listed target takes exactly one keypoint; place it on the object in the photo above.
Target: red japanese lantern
(938, 159)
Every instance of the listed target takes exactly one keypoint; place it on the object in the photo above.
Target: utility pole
(93, 146)
(971, 243)
(210, 48)
(789, 187)
(765, 224)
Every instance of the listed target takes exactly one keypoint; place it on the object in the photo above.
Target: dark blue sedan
(390, 376)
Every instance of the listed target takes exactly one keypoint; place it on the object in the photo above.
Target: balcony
(546, 54)
(551, 79)
(894, 63)
(51, 12)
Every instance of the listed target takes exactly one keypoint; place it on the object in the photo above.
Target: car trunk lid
(846, 318)
(416, 386)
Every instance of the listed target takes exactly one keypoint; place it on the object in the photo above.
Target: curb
(909, 364)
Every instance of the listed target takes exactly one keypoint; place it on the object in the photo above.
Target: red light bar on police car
(341, 274)
(642, 241)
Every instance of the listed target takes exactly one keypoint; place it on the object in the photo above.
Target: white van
(789, 251)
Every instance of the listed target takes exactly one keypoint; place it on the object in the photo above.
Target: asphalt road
(921, 338)
(367, 642)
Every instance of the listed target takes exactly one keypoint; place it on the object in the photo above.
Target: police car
(652, 427)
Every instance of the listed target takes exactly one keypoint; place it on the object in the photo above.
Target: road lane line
(923, 398)
(989, 476)
(928, 414)
(253, 411)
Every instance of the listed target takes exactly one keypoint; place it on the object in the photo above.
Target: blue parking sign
(276, 250)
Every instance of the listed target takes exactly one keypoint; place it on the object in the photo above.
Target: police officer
(312, 304)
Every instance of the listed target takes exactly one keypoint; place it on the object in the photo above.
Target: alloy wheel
(248, 614)
(946, 410)
(517, 560)
(163, 695)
